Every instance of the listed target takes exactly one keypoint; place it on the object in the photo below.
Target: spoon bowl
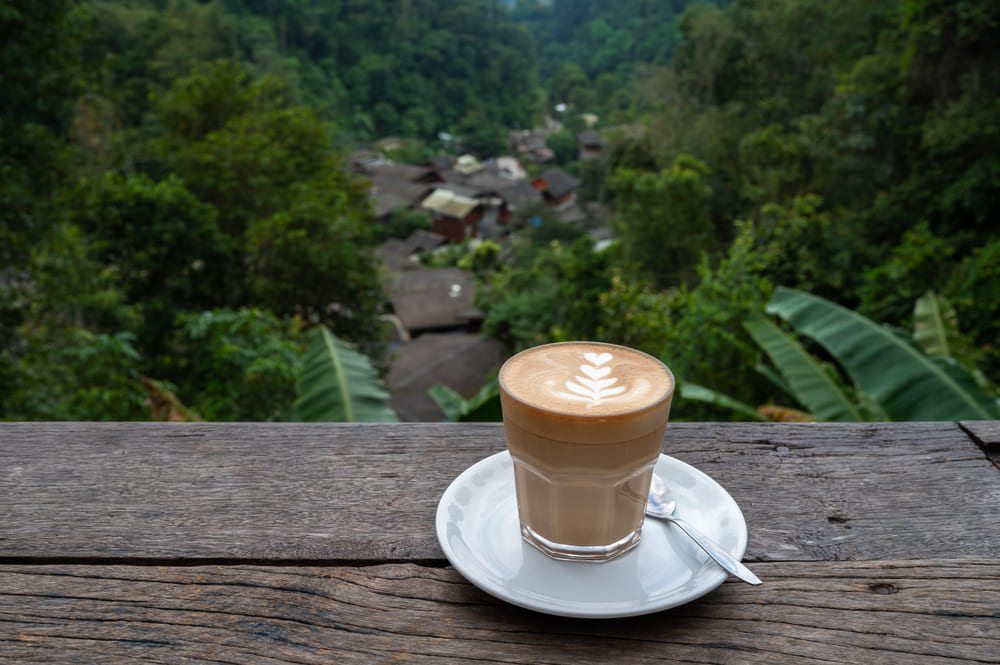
(661, 504)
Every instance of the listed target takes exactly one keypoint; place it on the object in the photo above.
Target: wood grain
(329, 493)
(986, 432)
(913, 612)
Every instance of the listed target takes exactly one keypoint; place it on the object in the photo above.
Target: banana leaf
(338, 384)
(811, 384)
(693, 391)
(935, 329)
(935, 326)
(775, 378)
(484, 406)
(908, 384)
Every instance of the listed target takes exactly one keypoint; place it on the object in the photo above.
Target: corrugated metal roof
(489, 182)
(519, 193)
(402, 171)
(449, 203)
(460, 189)
(467, 164)
(557, 182)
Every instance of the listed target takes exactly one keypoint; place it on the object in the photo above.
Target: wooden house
(455, 216)
(557, 187)
(591, 143)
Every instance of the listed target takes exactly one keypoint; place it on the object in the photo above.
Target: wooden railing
(315, 543)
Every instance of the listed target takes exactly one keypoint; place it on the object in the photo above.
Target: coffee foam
(586, 379)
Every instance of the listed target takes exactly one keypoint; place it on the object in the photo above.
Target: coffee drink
(584, 423)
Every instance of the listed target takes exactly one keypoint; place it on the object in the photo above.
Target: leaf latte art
(595, 387)
(586, 378)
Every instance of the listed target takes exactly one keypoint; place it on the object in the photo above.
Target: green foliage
(563, 145)
(697, 393)
(935, 326)
(67, 347)
(235, 365)
(972, 289)
(546, 290)
(296, 219)
(702, 340)
(799, 244)
(315, 258)
(210, 95)
(338, 384)
(245, 168)
(164, 160)
(817, 387)
(864, 113)
(380, 68)
(664, 219)
(480, 136)
(446, 255)
(861, 155)
(484, 406)
(891, 370)
(912, 268)
(582, 40)
(481, 259)
(893, 379)
(40, 80)
(936, 332)
(163, 246)
(402, 222)
(104, 381)
(523, 306)
(67, 286)
(637, 315)
(74, 374)
(570, 85)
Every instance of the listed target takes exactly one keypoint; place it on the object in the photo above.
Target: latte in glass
(584, 423)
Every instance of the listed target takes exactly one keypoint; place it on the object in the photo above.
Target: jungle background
(177, 220)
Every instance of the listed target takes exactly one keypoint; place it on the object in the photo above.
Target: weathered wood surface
(912, 612)
(325, 493)
(266, 544)
(987, 434)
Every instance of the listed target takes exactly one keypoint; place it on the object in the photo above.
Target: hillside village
(433, 318)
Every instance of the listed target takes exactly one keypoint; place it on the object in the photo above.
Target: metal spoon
(661, 504)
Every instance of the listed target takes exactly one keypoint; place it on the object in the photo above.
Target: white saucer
(479, 532)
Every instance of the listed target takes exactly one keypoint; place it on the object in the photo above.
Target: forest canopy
(177, 215)
(377, 67)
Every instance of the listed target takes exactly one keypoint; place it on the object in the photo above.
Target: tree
(664, 220)
(479, 135)
(315, 258)
(548, 288)
(563, 144)
(164, 247)
(71, 352)
(236, 365)
(295, 217)
(570, 85)
(40, 81)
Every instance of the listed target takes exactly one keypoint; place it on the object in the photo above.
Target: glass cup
(584, 423)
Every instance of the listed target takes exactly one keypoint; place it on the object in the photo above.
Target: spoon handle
(722, 557)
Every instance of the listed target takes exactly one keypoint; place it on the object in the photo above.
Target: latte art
(595, 386)
(586, 378)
